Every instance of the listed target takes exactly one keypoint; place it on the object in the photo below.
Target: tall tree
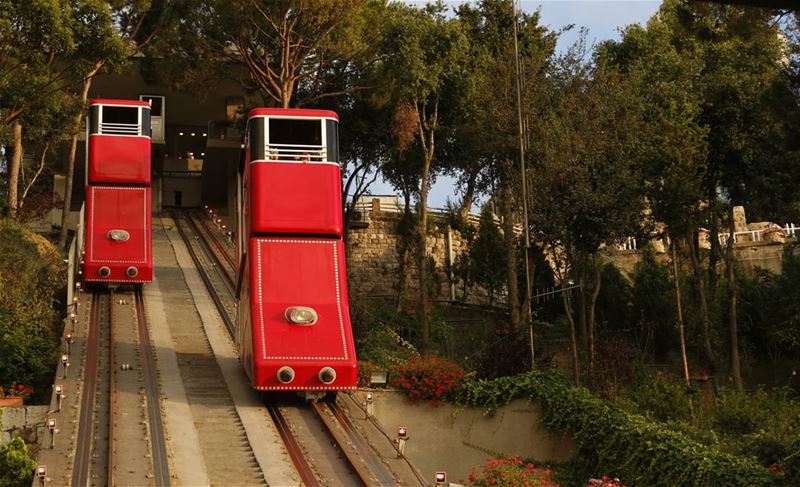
(487, 142)
(586, 186)
(425, 56)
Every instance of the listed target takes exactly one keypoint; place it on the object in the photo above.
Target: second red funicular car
(293, 328)
(117, 220)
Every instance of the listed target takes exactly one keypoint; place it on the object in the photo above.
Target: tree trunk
(694, 253)
(580, 264)
(14, 169)
(73, 148)
(511, 257)
(469, 197)
(571, 324)
(597, 267)
(730, 262)
(679, 310)
(422, 264)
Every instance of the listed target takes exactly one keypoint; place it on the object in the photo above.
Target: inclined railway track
(359, 456)
(109, 341)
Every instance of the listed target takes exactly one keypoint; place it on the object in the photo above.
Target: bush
(508, 472)
(31, 272)
(660, 396)
(16, 466)
(430, 379)
(609, 440)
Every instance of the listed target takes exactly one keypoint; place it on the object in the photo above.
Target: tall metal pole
(528, 314)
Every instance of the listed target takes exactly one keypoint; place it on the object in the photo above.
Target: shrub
(660, 396)
(16, 466)
(508, 472)
(31, 272)
(605, 482)
(613, 441)
(430, 379)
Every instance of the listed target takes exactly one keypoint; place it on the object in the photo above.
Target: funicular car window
(295, 138)
(120, 120)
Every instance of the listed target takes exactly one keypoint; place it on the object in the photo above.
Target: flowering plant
(605, 482)
(16, 390)
(510, 472)
(430, 379)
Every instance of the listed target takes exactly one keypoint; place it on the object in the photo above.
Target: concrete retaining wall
(456, 439)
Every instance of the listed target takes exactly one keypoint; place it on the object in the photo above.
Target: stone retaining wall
(27, 422)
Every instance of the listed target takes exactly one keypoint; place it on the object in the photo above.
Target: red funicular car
(117, 220)
(293, 329)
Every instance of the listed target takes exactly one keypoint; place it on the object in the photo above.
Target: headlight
(300, 315)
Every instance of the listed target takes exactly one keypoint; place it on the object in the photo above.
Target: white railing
(120, 128)
(789, 231)
(627, 244)
(296, 153)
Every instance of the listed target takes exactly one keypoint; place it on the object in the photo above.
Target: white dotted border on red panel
(306, 388)
(90, 235)
(338, 299)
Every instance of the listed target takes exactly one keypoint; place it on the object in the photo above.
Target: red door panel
(118, 208)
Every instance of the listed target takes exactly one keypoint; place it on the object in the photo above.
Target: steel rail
(83, 447)
(292, 447)
(223, 313)
(382, 473)
(209, 251)
(364, 474)
(112, 391)
(158, 442)
(217, 243)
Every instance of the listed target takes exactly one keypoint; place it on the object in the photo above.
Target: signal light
(300, 315)
(441, 478)
(402, 437)
(41, 474)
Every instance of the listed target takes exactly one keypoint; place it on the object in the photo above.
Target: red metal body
(118, 208)
(291, 254)
(117, 217)
(119, 159)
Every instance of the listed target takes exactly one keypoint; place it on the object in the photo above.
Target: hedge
(614, 442)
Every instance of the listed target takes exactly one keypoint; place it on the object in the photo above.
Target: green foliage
(16, 466)
(612, 441)
(615, 301)
(487, 255)
(31, 272)
(660, 396)
(654, 302)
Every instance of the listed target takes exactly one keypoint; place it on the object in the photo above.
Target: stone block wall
(27, 422)
(373, 258)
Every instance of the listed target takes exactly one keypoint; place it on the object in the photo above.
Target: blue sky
(603, 19)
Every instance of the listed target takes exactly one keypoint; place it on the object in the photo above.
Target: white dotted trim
(95, 279)
(308, 388)
(338, 299)
(90, 234)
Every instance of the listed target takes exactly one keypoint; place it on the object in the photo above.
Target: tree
(425, 56)
(16, 466)
(586, 186)
(487, 259)
(486, 143)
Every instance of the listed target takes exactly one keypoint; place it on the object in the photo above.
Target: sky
(602, 18)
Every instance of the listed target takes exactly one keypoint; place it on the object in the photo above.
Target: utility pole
(521, 127)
